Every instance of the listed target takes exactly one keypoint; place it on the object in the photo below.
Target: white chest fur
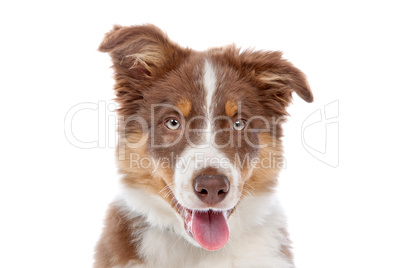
(256, 235)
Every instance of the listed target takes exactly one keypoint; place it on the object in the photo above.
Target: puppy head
(200, 129)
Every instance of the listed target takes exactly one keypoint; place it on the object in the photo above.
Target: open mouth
(209, 228)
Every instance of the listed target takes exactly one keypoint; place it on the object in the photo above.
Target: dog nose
(211, 189)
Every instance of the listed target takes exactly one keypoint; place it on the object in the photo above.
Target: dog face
(200, 129)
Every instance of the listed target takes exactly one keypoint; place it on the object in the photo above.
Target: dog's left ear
(276, 78)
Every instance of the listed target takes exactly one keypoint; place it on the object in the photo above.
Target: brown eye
(239, 125)
(172, 124)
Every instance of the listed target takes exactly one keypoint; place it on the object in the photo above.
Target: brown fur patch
(274, 77)
(120, 239)
(139, 167)
(269, 66)
(263, 177)
(184, 106)
(230, 108)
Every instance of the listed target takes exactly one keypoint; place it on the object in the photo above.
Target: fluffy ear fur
(144, 51)
(276, 78)
(140, 55)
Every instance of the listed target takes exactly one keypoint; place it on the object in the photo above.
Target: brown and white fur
(187, 118)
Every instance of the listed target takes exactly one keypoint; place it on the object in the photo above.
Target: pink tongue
(210, 229)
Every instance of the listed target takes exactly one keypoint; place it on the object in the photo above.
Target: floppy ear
(140, 55)
(142, 51)
(276, 78)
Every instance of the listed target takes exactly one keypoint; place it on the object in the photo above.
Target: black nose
(211, 189)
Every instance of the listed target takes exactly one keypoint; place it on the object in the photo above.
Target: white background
(53, 195)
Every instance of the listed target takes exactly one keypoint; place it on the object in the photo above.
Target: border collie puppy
(199, 154)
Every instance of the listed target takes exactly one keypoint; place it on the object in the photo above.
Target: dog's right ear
(140, 55)
(142, 52)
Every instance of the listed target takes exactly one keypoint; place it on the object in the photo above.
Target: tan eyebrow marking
(230, 108)
(184, 106)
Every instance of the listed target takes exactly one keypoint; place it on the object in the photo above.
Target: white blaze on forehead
(209, 81)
